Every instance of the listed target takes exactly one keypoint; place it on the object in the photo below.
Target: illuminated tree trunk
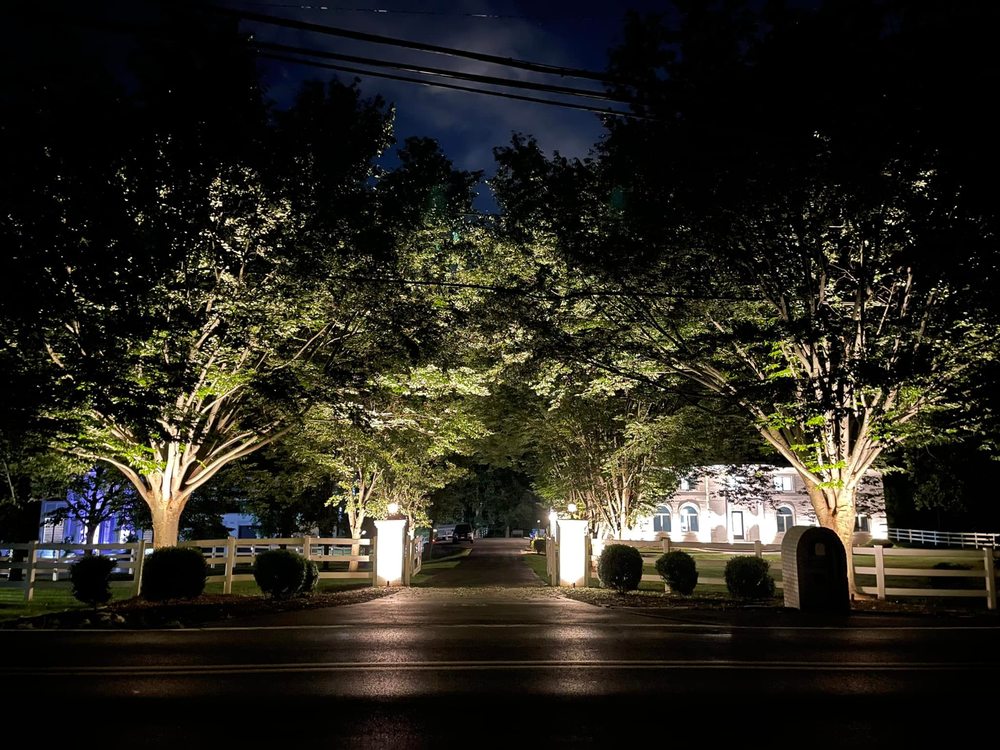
(358, 507)
(836, 510)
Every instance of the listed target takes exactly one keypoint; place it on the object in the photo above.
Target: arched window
(689, 518)
(785, 519)
(661, 519)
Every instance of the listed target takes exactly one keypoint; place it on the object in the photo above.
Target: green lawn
(431, 567)
(57, 596)
(537, 563)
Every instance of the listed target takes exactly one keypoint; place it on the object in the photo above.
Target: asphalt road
(502, 665)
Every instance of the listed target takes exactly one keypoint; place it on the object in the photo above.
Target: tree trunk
(166, 516)
(835, 510)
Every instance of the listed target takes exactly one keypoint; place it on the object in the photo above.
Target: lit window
(689, 518)
(785, 519)
(661, 519)
(862, 523)
(783, 483)
(686, 485)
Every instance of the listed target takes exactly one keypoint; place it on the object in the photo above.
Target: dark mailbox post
(814, 570)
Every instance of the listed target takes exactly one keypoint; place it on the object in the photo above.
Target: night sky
(468, 125)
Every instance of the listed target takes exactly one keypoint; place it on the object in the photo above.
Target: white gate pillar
(391, 541)
(573, 560)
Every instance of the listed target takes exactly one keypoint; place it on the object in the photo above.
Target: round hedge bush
(538, 545)
(679, 570)
(280, 573)
(747, 577)
(91, 577)
(620, 567)
(174, 573)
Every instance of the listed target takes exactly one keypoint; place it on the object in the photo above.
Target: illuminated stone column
(391, 541)
(572, 552)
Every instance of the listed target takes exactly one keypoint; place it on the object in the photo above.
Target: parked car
(444, 534)
(463, 533)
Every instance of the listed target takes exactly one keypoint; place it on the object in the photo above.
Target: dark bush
(174, 573)
(538, 545)
(678, 569)
(280, 573)
(620, 567)
(91, 577)
(311, 578)
(747, 577)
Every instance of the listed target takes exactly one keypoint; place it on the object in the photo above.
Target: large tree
(203, 262)
(817, 260)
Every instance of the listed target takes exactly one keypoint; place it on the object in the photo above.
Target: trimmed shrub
(678, 569)
(747, 577)
(280, 573)
(538, 545)
(174, 573)
(620, 567)
(91, 577)
(311, 578)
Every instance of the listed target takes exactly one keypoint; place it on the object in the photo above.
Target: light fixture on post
(393, 510)
(571, 509)
(553, 523)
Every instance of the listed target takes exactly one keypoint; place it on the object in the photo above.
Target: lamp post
(553, 523)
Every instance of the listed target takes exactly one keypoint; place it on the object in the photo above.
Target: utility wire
(455, 87)
(423, 70)
(509, 62)
(387, 11)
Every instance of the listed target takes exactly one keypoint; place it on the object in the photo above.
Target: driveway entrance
(490, 562)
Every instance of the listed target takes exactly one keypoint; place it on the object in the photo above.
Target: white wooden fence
(228, 559)
(978, 564)
(55, 560)
(225, 556)
(975, 539)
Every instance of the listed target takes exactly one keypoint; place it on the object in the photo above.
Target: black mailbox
(814, 570)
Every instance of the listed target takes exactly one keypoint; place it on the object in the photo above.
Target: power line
(388, 11)
(509, 62)
(454, 87)
(424, 70)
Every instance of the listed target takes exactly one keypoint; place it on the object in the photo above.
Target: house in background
(113, 531)
(709, 507)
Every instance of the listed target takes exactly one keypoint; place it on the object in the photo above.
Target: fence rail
(230, 559)
(963, 539)
(56, 559)
(974, 565)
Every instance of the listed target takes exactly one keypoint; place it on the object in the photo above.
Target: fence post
(373, 559)
(139, 550)
(758, 548)
(407, 559)
(991, 580)
(227, 583)
(306, 546)
(588, 561)
(666, 544)
(879, 571)
(29, 574)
